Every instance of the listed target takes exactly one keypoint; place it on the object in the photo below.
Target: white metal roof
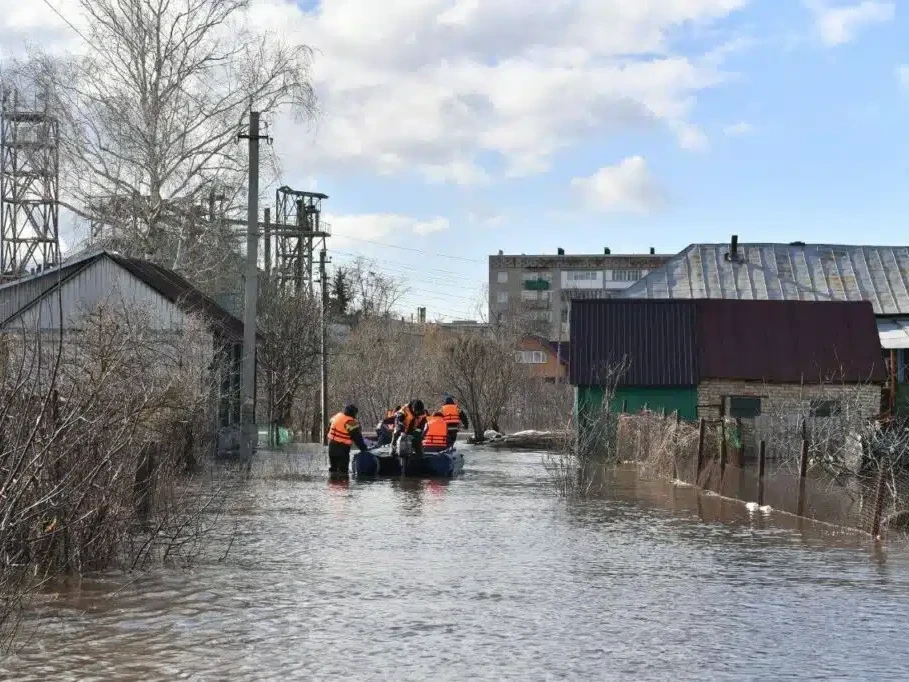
(810, 272)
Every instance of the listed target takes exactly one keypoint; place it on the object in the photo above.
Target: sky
(450, 129)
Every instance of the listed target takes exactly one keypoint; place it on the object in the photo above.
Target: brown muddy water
(490, 577)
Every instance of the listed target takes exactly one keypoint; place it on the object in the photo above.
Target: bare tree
(384, 363)
(371, 293)
(290, 353)
(480, 369)
(151, 113)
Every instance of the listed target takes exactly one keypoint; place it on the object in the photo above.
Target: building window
(531, 357)
(581, 275)
(540, 315)
(825, 408)
(626, 275)
(502, 277)
(529, 296)
(502, 297)
(564, 314)
(743, 407)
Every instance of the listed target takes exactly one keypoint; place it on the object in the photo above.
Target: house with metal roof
(56, 299)
(716, 358)
(796, 272)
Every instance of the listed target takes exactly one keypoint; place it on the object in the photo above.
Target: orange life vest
(411, 421)
(452, 415)
(436, 434)
(339, 429)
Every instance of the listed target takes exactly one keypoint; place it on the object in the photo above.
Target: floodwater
(493, 577)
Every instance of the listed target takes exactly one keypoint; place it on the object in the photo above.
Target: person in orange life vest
(343, 432)
(454, 417)
(435, 435)
(410, 421)
(387, 426)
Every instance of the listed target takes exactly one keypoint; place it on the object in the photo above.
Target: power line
(65, 20)
(407, 248)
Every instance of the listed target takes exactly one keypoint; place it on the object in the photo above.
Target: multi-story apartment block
(541, 287)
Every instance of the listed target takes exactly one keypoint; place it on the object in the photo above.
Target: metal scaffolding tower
(297, 227)
(29, 186)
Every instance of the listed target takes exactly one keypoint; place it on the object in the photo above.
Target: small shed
(713, 357)
(88, 280)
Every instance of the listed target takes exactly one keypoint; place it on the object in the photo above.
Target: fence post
(803, 472)
(722, 443)
(625, 406)
(762, 471)
(702, 426)
(878, 503)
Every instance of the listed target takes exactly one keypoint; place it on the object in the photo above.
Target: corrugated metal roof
(813, 272)
(788, 341)
(894, 334)
(20, 295)
(655, 340)
(680, 343)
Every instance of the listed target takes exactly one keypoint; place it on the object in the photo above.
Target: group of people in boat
(425, 432)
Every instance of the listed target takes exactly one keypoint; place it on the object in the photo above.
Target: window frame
(739, 413)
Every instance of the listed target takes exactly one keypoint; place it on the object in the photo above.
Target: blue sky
(460, 127)
(802, 137)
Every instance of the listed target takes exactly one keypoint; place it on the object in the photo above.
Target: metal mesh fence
(871, 494)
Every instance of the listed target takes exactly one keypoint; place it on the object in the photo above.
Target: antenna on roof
(733, 255)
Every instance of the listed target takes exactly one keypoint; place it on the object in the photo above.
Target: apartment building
(541, 287)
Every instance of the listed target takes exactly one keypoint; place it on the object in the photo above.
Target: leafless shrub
(99, 427)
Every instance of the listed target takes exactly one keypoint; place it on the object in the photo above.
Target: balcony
(537, 285)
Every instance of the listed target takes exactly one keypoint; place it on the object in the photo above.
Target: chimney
(561, 251)
(652, 250)
(607, 251)
(501, 253)
(734, 247)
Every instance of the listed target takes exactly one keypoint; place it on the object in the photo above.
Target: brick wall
(863, 401)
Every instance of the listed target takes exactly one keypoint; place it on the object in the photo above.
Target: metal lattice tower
(29, 186)
(298, 226)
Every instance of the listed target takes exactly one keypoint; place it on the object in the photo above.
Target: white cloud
(692, 138)
(837, 25)
(430, 226)
(902, 75)
(349, 228)
(449, 89)
(625, 187)
(738, 129)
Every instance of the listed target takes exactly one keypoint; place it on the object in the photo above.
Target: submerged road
(491, 577)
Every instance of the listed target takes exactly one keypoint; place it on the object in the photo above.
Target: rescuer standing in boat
(410, 421)
(343, 432)
(454, 416)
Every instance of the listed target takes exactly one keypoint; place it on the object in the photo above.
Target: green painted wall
(683, 400)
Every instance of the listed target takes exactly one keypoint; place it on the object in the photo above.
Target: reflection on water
(492, 576)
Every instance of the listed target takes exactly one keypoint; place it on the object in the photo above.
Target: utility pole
(248, 385)
(323, 278)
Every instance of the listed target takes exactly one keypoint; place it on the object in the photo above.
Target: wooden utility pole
(323, 279)
(248, 384)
